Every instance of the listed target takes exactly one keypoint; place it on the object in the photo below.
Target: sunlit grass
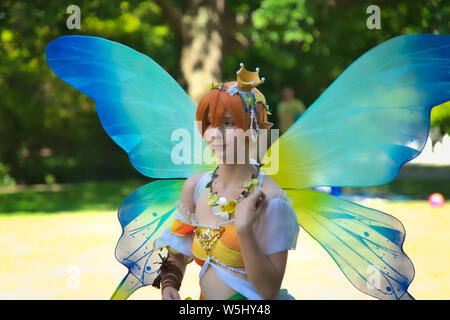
(59, 244)
(71, 256)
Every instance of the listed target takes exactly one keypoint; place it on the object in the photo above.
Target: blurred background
(62, 178)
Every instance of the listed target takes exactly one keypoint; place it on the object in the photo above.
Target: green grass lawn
(413, 188)
(41, 253)
(89, 196)
(412, 182)
(50, 230)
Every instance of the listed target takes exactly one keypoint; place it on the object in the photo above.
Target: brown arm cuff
(169, 275)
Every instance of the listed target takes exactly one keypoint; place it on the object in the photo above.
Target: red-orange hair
(215, 101)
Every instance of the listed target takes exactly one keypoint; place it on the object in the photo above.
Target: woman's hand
(249, 209)
(169, 293)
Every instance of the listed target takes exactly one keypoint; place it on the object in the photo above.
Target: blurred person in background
(289, 110)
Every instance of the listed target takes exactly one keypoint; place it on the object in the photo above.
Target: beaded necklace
(223, 207)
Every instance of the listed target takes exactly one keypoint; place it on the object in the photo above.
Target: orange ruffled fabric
(226, 249)
(181, 228)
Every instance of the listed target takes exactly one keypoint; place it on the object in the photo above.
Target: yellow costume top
(220, 243)
(275, 230)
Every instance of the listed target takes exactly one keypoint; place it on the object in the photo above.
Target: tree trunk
(199, 33)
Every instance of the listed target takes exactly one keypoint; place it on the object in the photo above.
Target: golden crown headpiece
(245, 82)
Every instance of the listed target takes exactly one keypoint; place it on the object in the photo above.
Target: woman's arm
(264, 272)
(187, 199)
(170, 293)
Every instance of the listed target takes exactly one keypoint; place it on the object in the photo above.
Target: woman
(242, 242)
(247, 258)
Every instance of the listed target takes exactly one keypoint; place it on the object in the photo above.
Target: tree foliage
(50, 131)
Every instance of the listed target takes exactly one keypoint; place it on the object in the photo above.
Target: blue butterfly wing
(145, 111)
(359, 132)
(143, 215)
(371, 120)
(365, 243)
(140, 106)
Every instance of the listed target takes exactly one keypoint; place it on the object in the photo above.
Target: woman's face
(221, 139)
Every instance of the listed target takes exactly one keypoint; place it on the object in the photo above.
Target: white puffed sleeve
(277, 230)
(179, 243)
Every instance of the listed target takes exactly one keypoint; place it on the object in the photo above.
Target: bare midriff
(213, 288)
